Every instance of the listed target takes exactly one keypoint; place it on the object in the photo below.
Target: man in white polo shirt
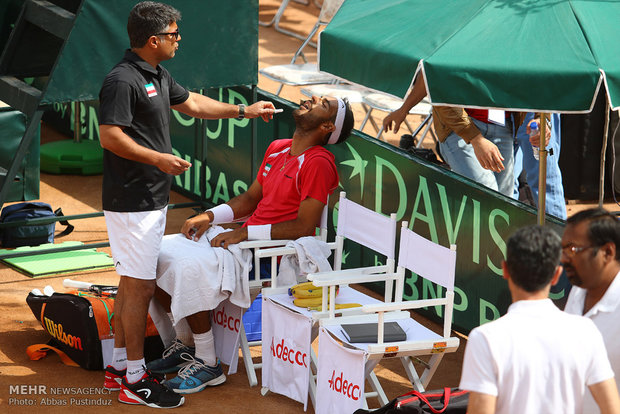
(591, 258)
(536, 358)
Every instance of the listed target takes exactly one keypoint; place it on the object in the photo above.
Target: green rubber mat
(46, 264)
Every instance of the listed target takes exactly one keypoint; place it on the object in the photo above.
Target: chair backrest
(426, 258)
(365, 227)
(369, 229)
(328, 10)
(323, 225)
(431, 261)
(257, 281)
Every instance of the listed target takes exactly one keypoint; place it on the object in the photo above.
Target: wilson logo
(58, 332)
(229, 322)
(344, 387)
(287, 354)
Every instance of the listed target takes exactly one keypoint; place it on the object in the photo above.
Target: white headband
(342, 109)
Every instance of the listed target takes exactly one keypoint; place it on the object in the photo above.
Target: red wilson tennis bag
(446, 401)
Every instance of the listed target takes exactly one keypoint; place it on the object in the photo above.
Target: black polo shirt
(137, 97)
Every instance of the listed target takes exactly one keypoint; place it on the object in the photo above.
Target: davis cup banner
(438, 204)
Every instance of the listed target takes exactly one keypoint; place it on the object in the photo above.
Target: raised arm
(201, 106)
(395, 118)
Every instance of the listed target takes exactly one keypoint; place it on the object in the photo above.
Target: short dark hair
(148, 18)
(603, 228)
(347, 123)
(532, 255)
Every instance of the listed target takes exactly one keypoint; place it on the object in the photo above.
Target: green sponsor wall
(438, 204)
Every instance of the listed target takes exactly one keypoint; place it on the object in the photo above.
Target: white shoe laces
(174, 346)
(190, 368)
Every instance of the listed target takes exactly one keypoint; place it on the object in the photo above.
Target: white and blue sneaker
(196, 376)
(171, 360)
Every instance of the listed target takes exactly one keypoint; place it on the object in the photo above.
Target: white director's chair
(256, 284)
(430, 261)
(364, 227)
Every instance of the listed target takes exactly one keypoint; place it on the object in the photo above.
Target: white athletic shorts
(135, 239)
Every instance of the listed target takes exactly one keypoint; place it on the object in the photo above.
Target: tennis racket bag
(82, 329)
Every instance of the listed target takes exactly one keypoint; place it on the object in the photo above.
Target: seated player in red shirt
(284, 202)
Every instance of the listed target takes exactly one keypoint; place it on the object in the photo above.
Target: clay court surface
(82, 194)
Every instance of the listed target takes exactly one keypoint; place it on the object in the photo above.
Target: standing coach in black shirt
(135, 102)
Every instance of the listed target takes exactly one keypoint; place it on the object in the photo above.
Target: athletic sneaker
(196, 376)
(171, 360)
(149, 391)
(113, 378)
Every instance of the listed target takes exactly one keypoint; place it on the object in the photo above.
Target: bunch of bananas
(309, 296)
(306, 295)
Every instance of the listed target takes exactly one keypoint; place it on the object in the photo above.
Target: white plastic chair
(366, 228)
(275, 21)
(430, 261)
(300, 74)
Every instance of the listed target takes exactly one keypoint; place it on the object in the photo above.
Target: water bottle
(533, 131)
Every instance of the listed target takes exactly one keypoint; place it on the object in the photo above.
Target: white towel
(198, 277)
(311, 257)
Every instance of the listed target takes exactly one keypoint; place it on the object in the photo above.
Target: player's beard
(304, 121)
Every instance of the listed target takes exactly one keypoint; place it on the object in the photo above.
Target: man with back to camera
(134, 117)
(591, 259)
(536, 358)
(285, 201)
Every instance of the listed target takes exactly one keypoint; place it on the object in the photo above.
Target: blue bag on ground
(29, 234)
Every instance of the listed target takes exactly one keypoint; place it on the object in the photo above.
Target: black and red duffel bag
(446, 401)
(78, 324)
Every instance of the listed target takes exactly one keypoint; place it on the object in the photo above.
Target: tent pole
(601, 188)
(542, 170)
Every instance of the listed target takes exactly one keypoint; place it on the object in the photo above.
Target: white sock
(184, 332)
(205, 347)
(135, 370)
(119, 358)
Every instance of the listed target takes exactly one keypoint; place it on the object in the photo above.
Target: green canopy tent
(526, 55)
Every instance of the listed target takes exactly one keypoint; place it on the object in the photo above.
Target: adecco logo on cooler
(229, 322)
(287, 354)
(344, 387)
